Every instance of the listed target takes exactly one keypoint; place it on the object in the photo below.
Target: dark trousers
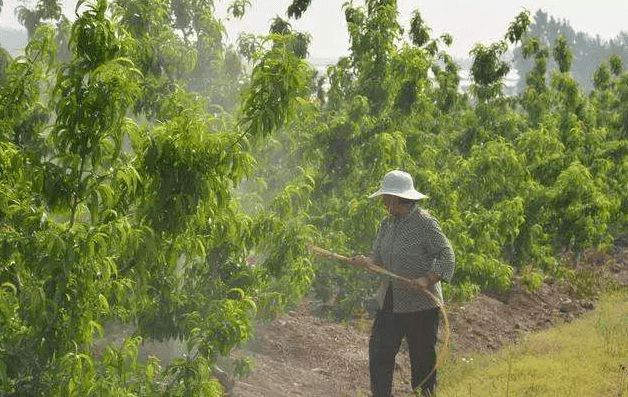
(420, 330)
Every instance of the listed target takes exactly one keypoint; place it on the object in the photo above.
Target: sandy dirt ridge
(302, 354)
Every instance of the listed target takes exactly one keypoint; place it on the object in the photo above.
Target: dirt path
(300, 354)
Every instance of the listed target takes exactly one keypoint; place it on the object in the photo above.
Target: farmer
(411, 244)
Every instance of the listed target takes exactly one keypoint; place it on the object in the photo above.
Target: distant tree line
(588, 52)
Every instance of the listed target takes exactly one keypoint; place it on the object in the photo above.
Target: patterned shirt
(411, 246)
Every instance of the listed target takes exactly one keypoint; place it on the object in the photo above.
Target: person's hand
(421, 282)
(361, 260)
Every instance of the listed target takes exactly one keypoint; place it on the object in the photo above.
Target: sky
(469, 21)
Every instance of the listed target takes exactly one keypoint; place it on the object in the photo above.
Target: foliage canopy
(153, 177)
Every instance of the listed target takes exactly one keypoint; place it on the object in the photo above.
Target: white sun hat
(398, 183)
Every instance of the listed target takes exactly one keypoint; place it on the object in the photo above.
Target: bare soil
(301, 354)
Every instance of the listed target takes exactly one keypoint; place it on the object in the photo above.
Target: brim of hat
(408, 194)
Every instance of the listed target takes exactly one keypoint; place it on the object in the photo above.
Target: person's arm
(429, 279)
(439, 248)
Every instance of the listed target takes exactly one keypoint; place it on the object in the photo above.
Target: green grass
(585, 358)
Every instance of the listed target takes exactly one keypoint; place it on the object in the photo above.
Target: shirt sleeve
(439, 248)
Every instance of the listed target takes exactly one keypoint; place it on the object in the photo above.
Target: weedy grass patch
(588, 357)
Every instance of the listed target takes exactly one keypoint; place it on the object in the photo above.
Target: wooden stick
(322, 252)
